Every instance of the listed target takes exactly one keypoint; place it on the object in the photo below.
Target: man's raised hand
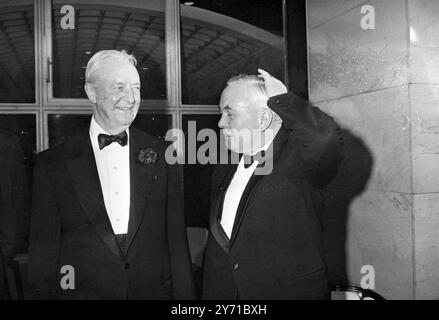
(273, 86)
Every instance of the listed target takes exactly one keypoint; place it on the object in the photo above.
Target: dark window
(197, 176)
(220, 39)
(24, 126)
(17, 53)
(140, 31)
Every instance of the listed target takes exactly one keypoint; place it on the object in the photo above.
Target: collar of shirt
(255, 163)
(96, 129)
(269, 135)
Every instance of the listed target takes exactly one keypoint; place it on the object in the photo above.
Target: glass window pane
(17, 54)
(61, 126)
(135, 26)
(197, 176)
(220, 39)
(23, 125)
(154, 124)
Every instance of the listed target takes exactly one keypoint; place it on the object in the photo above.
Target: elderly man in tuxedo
(266, 227)
(107, 216)
(13, 202)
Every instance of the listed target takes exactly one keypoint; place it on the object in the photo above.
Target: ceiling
(214, 47)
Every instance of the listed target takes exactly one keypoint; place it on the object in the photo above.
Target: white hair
(99, 57)
(255, 89)
(253, 81)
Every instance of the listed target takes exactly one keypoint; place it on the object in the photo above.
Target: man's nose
(222, 123)
(129, 94)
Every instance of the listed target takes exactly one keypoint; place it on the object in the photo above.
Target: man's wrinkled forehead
(115, 68)
(240, 94)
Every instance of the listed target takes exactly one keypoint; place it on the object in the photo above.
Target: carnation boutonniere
(148, 156)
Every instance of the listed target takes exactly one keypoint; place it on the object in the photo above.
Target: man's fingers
(273, 86)
(263, 73)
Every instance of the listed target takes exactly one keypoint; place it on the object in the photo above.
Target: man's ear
(266, 119)
(91, 92)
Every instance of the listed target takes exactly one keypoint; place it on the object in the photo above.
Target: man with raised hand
(266, 226)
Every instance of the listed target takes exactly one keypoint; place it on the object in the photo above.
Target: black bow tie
(105, 139)
(248, 160)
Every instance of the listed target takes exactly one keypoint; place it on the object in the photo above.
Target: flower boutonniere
(148, 156)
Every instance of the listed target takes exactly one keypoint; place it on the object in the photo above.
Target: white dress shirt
(113, 163)
(235, 190)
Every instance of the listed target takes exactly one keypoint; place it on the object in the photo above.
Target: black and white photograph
(219, 155)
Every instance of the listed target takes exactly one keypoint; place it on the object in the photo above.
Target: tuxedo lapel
(225, 171)
(246, 195)
(87, 187)
(142, 183)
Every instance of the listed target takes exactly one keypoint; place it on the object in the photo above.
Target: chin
(126, 120)
(233, 148)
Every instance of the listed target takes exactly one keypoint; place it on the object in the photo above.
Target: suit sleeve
(181, 267)
(44, 240)
(321, 139)
(14, 218)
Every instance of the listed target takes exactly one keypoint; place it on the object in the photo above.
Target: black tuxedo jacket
(275, 250)
(70, 226)
(13, 201)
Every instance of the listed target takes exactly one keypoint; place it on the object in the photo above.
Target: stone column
(382, 84)
(423, 20)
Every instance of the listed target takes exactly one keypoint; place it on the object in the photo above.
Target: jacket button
(236, 266)
(127, 265)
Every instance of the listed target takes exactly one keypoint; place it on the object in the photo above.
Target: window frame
(46, 104)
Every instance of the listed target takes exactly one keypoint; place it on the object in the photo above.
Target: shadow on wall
(349, 183)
